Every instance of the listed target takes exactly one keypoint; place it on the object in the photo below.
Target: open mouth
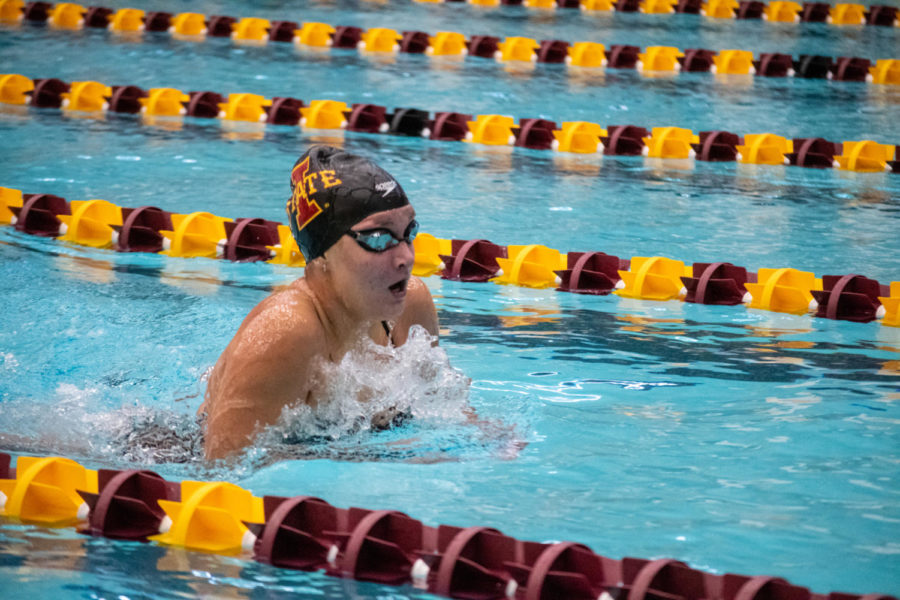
(399, 287)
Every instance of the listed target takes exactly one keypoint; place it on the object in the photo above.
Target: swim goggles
(381, 239)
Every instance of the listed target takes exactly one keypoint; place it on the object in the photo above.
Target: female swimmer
(355, 226)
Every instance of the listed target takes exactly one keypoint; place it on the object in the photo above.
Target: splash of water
(415, 378)
(378, 403)
(408, 390)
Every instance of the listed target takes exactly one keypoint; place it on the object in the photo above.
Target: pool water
(736, 440)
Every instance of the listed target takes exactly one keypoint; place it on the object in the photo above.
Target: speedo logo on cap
(386, 187)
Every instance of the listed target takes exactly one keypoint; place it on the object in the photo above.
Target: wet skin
(273, 359)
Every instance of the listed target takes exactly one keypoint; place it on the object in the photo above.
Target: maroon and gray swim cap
(331, 191)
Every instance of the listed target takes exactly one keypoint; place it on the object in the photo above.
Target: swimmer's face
(374, 284)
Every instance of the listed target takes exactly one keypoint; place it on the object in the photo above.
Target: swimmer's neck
(343, 328)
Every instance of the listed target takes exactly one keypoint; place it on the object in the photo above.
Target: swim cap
(331, 191)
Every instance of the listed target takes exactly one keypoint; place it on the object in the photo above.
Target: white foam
(415, 378)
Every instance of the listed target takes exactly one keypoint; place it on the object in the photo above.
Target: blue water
(737, 440)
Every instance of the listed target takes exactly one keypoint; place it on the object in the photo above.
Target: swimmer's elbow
(218, 446)
(225, 439)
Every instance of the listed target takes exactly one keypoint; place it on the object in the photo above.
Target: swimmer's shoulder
(287, 317)
(418, 294)
(419, 310)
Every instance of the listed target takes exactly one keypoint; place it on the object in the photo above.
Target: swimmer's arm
(268, 368)
(419, 310)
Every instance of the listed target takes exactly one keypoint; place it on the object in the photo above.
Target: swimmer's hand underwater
(389, 418)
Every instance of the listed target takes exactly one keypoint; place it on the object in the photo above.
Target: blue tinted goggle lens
(381, 240)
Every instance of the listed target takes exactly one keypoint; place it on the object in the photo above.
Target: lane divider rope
(383, 546)
(653, 60)
(777, 11)
(102, 224)
(167, 106)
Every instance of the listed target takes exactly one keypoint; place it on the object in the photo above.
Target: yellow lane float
(579, 136)
(587, 54)
(91, 223)
(14, 89)
(597, 5)
(784, 290)
(67, 15)
(324, 114)
(891, 306)
(317, 35)
(864, 156)
(188, 24)
(658, 7)
(197, 234)
(659, 58)
(428, 254)
(764, 149)
(210, 517)
(380, 39)
(885, 71)
(87, 96)
(493, 130)
(164, 102)
(11, 11)
(286, 252)
(720, 9)
(782, 11)
(670, 142)
(9, 197)
(847, 14)
(446, 43)
(45, 491)
(244, 107)
(733, 62)
(520, 49)
(531, 266)
(251, 29)
(653, 278)
(127, 19)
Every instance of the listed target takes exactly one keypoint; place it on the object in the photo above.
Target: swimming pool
(737, 440)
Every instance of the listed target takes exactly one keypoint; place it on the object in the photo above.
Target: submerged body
(355, 226)
(275, 358)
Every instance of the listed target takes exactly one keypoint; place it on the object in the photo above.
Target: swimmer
(355, 227)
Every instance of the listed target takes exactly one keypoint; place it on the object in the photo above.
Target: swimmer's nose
(405, 256)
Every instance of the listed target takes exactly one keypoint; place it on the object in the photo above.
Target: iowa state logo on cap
(301, 205)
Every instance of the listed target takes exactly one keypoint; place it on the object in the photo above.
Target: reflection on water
(529, 316)
(63, 563)
(234, 131)
(90, 270)
(163, 123)
(681, 348)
